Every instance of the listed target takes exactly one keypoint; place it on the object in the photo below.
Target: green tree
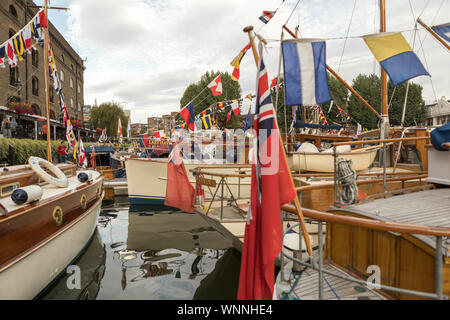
(338, 92)
(369, 87)
(230, 90)
(106, 116)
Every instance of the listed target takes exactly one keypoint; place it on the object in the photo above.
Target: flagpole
(296, 200)
(249, 29)
(47, 92)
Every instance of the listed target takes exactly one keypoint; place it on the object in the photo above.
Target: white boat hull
(324, 162)
(26, 278)
(147, 178)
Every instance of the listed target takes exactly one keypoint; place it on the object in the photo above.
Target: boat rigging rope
(347, 178)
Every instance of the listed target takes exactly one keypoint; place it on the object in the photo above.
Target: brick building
(26, 82)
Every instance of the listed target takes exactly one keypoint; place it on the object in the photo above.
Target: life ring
(37, 164)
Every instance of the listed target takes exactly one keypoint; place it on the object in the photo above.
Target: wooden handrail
(378, 141)
(301, 175)
(369, 223)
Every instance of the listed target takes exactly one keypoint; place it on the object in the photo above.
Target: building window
(51, 93)
(62, 58)
(71, 66)
(79, 89)
(71, 103)
(36, 109)
(34, 57)
(79, 106)
(13, 11)
(13, 76)
(62, 76)
(71, 82)
(52, 115)
(35, 86)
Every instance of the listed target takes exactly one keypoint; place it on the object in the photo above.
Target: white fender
(37, 164)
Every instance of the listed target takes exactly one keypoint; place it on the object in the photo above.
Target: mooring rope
(347, 178)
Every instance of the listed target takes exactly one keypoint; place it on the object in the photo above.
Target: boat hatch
(68, 173)
(8, 189)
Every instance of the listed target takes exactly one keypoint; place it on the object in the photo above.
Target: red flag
(145, 138)
(271, 187)
(179, 191)
(274, 82)
(228, 116)
(92, 157)
(42, 19)
(216, 86)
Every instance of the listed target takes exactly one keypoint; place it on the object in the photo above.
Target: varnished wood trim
(52, 236)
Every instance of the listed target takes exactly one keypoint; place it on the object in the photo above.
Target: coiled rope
(347, 178)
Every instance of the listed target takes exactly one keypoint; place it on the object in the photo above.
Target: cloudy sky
(144, 53)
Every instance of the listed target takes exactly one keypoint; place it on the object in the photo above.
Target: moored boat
(38, 240)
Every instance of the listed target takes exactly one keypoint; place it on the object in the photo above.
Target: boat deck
(429, 208)
(334, 288)
(49, 191)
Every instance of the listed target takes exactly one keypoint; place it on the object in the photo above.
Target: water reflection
(139, 253)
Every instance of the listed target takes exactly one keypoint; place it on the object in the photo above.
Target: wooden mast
(47, 83)
(384, 129)
(434, 34)
(296, 200)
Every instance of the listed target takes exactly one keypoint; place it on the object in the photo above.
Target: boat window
(9, 188)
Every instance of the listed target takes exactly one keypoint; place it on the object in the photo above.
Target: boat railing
(385, 143)
(201, 172)
(317, 260)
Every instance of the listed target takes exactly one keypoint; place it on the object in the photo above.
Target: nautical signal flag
(305, 74)
(82, 157)
(188, 115)
(237, 61)
(395, 56)
(119, 130)
(216, 86)
(228, 116)
(159, 134)
(271, 187)
(248, 119)
(266, 16)
(206, 121)
(235, 108)
(443, 31)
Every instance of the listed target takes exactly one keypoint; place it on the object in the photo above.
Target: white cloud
(146, 52)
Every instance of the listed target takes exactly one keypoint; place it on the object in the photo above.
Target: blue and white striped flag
(305, 73)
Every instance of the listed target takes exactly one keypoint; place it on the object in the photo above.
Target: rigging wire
(291, 12)
(346, 36)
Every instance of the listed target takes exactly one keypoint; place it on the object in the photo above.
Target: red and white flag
(119, 130)
(271, 187)
(216, 86)
(82, 157)
(11, 54)
(236, 108)
(159, 134)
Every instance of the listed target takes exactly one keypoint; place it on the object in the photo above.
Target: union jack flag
(271, 186)
(266, 16)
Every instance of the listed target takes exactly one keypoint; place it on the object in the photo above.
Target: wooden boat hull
(35, 250)
(324, 162)
(147, 181)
